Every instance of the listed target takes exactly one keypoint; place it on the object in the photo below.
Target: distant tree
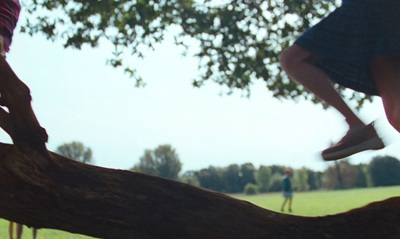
(232, 178)
(362, 180)
(211, 178)
(351, 174)
(338, 175)
(263, 178)
(385, 171)
(314, 180)
(276, 182)
(250, 189)
(146, 165)
(278, 169)
(319, 179)
(341, 175)
(247, 174)
(190, 177)
(163, 162)
(77, 151)
(300, 180)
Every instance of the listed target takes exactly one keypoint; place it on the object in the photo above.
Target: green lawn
(321, 203)
(318, 203)
(42, 233)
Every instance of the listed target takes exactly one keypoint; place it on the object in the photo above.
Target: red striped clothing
(9, 13)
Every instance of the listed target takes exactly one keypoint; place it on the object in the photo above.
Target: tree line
(164, 162)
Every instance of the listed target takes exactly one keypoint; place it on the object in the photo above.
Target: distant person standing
(287, 192)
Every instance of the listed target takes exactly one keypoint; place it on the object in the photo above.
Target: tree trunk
(45, 190)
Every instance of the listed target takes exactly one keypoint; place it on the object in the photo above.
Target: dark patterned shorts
(9, 13)
(351, 37)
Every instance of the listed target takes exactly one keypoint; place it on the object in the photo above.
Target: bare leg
(290, 204)
(298, 64)
(283, 205)
(19, 230)
(11, 230)
(386, 73)
(34, 233)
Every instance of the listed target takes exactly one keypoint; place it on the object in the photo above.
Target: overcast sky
(77, 97)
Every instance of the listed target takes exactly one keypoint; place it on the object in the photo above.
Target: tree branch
(21, 123)
(60, 193)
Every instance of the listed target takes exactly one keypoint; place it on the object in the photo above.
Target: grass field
(42, 233)
(318, 203)
(321, 203)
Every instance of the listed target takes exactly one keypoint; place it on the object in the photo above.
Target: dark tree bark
(45, 190)
(56, 192)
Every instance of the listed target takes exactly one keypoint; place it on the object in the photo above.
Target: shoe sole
(371, 144)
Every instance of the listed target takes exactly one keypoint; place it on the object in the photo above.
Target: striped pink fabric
(9, 13)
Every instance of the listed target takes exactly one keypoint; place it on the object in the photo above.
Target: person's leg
(34, 233)
(298, 65)
(386, 71)
(290, 204)
(11, 230)
(19, 230)
(283, 205)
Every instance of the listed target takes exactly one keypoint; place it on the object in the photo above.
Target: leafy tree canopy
(77, 151)
(385, 171)
(237, 41)
(162, 161)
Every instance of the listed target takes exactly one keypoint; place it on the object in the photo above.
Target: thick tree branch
(56, 192)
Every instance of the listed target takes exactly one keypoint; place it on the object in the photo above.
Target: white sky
(77, 97)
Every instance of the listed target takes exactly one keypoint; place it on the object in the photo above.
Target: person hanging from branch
(20, 121)
(358, 47)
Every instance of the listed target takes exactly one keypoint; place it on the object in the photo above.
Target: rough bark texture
(60, 193)
(45, 190)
